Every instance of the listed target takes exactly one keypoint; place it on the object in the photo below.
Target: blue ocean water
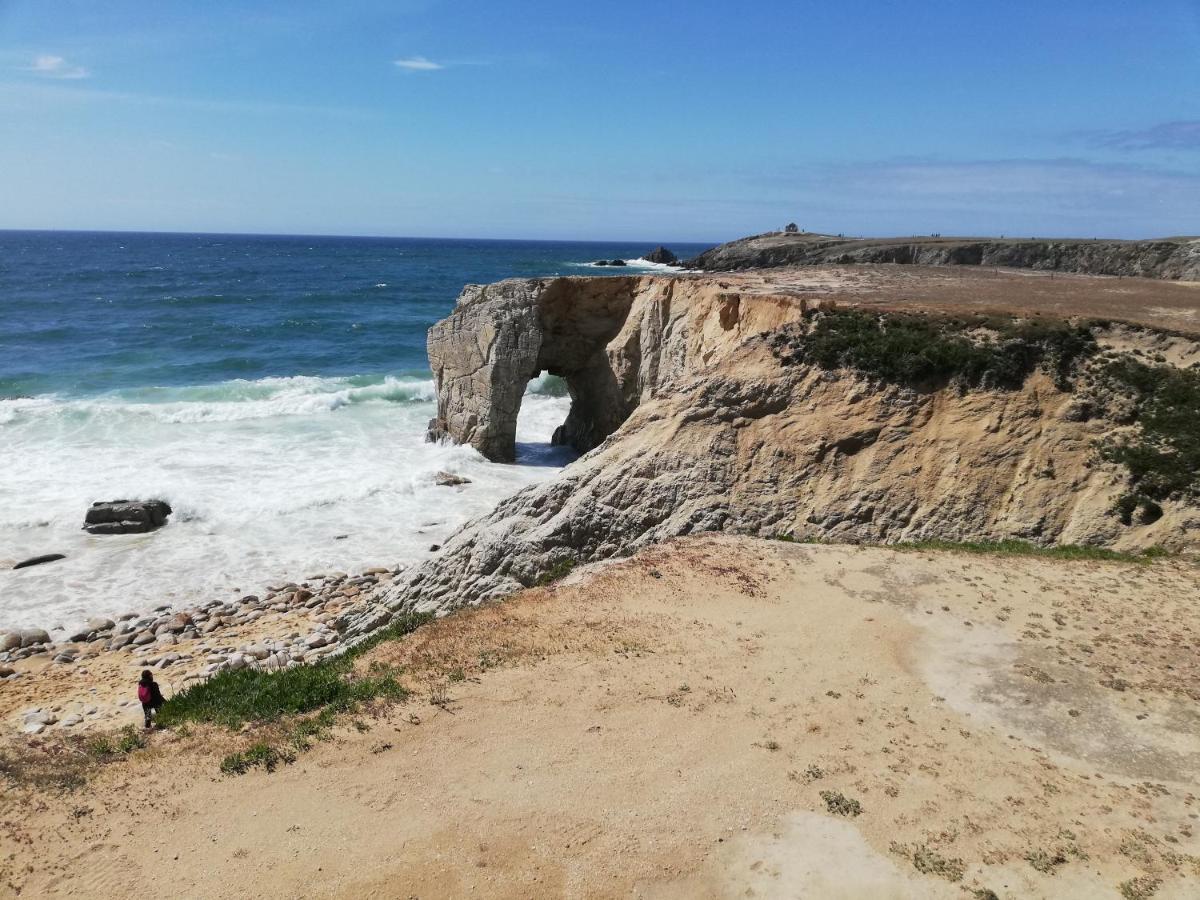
(275, 390)
(82, 313)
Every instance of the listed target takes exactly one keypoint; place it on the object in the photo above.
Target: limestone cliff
(697, 424)
(1170, 258)
(613, 340)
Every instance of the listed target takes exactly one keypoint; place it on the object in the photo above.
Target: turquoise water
(274, 390)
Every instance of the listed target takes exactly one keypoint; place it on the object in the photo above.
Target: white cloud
(50, 66)
(418, 64)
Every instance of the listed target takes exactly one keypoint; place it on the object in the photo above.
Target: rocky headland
(758, 407)
(759, 404)
(1170, 258)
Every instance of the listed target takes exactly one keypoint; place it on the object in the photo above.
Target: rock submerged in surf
(39, 560)
(126, 516)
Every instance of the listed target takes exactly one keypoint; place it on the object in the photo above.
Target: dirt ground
(715, 717)
(1168, 305)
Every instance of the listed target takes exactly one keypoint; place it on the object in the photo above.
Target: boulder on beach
(126, 516)
(32, 636)
(661, 255)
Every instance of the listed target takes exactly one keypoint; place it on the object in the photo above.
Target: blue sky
(651, 121)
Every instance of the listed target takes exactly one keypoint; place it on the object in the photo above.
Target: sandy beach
(714, 717)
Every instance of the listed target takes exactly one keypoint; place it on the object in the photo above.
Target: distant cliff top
(1175, 258)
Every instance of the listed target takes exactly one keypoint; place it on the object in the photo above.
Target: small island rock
(126, 516)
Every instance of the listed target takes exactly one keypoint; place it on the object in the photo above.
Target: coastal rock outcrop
(661, 255)
(1171, 258)
(697, 423)
(126, 516)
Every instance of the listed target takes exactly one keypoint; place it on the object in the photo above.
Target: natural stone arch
(502, 335)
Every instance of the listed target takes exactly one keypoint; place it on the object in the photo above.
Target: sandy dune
(688, 723)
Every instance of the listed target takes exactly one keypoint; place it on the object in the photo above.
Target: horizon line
(381, 237)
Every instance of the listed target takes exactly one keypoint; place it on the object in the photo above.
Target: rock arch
(502, 335)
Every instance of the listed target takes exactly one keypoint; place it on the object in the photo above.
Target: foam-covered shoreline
(269, 479)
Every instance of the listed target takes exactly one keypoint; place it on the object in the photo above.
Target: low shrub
(258, 755)
(1163, 455)
(840, 805)
(922, 350)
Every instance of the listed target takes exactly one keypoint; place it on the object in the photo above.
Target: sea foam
(270, 479)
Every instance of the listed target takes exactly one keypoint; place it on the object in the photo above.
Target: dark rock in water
(38, 560)
(661, 255)
(445, 479)
(617, 262)
(126, 516)
(434, 548)
(600, 262)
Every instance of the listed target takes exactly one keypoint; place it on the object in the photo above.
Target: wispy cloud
(1180, 135)
(50, 66)
(417, 64)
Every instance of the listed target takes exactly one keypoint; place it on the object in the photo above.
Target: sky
(546, 119)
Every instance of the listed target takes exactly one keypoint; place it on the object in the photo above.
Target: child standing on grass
(150, 696)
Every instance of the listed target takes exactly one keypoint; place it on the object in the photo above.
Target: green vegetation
(233, 698)
(556, 572)
(259, 755)
(1023, 548)
(921, 349)
(128, 739)
(1163, 457)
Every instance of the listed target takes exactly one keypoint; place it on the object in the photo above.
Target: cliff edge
(705, 408)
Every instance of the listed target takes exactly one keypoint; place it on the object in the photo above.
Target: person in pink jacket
(150, 696)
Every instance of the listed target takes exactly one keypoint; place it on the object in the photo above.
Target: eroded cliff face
(613, 340)
(716, 434)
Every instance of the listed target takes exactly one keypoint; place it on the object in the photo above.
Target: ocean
(274, 390)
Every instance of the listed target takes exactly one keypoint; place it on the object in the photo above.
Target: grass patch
(232, 698)
(921, 350)
(105, 746)
(556, 572)
(1024, 548)
(260, 755)
(1163, 457)
(66, 762)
